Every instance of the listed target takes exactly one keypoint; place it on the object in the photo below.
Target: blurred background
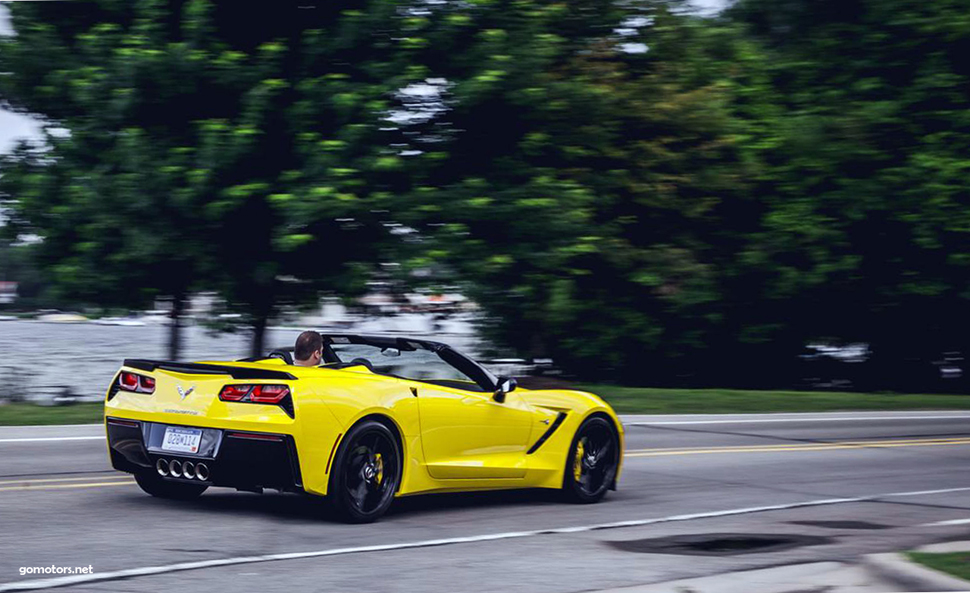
(689, 208)
(758, 194)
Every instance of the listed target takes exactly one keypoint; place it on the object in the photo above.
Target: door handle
(414, 391)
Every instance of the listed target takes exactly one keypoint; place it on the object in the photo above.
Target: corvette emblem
(185, 392)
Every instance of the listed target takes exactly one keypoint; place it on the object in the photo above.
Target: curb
(898, 569)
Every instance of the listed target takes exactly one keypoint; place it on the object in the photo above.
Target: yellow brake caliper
(578, 461)
(379, 464)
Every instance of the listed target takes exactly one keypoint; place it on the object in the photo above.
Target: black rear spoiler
(195, 368)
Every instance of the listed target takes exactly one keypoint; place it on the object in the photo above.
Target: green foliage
(954, 563)
(644, 400)
(698, 212)
(866, 204)
(634, 190)
(24, 414)
(191, 154)
(593, 184)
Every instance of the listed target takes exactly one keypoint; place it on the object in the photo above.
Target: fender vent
(545, 436)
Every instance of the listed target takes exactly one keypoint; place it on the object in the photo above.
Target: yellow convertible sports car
(379, 417)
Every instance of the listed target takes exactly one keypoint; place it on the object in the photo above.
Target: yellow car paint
(452, 439)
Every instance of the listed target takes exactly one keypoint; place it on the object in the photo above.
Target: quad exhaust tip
(178, 469)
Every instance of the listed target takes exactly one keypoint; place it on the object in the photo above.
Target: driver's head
(309, 349)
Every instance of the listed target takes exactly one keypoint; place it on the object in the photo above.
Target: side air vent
(545, 436)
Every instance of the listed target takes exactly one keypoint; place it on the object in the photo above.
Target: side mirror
(505, 385)
(391, 352)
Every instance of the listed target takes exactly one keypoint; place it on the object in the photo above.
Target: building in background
(8, 292)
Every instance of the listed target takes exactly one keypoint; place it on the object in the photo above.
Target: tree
(866, 207)
(202, 145)
(585, 189)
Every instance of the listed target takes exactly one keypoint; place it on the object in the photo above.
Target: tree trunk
(259, 334)
(175, 327)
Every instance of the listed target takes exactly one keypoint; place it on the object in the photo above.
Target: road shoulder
(912, 576)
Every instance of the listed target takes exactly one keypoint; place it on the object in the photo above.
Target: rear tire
(161, 488)
(592, 461)
(366, 473)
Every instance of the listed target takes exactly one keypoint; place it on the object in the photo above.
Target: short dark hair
(308, 343)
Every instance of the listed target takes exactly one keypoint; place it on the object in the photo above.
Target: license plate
(181, 440)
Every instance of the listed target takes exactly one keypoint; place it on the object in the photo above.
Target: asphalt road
(854, 483)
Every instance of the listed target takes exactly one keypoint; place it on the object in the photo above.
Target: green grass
(954, 563)
(646, 400)
(23, 414)
(626, 400)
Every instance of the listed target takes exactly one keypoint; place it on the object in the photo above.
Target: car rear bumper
(244, 460)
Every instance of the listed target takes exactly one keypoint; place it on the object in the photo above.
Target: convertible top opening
(478, 374)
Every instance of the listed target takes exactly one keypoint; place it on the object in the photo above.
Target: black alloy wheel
(592, 461)
(366, 473)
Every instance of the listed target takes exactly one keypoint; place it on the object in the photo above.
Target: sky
(14, 126)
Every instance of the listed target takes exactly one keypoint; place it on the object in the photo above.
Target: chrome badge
(185, 392)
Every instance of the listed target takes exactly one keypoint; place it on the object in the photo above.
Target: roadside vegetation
(626, 400)
(953, 563)
(645, 400)
(23, 414)
(619, 186)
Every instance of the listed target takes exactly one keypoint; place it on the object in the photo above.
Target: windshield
(418, 365)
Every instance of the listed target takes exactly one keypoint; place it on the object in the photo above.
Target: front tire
(366, 473)
(161, 488)
(592, 461)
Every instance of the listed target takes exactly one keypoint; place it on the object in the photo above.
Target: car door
(466, 434)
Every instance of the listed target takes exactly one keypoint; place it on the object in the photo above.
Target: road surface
(698, 495)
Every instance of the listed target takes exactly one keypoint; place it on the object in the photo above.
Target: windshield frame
(465, 365)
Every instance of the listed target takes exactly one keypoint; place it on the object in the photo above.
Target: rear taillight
(129, 381)
(234, 393)
(269, 394)
(135, 382)
(259, 394)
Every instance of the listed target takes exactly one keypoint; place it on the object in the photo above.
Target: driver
(309, 349)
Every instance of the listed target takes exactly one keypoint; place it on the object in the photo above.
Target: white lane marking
(847, 413)
(950, 522)
(884, 413)
(33, 585)
(767, 420)
(50, 439)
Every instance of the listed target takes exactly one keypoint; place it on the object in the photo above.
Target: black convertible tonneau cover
(194, 368)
